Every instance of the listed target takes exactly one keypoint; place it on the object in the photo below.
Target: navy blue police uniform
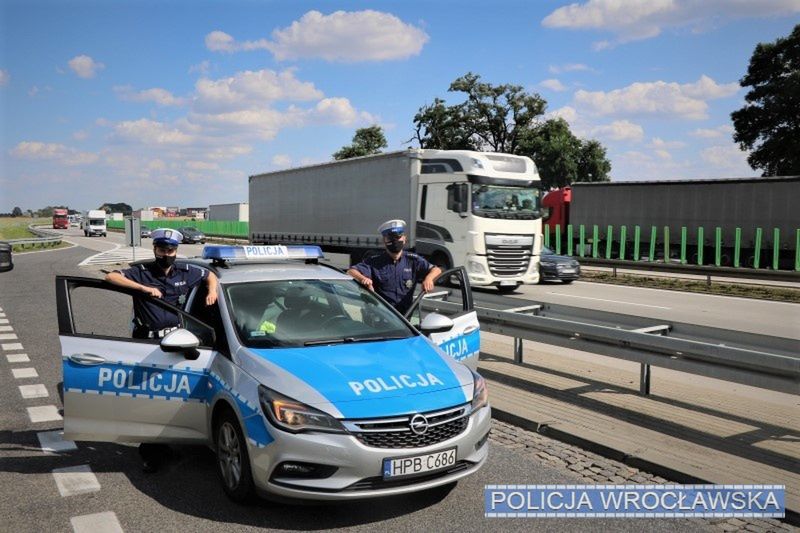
(395, 281)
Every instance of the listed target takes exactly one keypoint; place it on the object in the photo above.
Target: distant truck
(477, 209)
(94, 223)
(700, 206)
(60, 219)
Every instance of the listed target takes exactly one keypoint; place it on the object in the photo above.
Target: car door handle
(87, 359)
(469, 329)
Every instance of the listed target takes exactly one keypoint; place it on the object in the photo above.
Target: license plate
(568, 270)
(418, 464)
(508, 283)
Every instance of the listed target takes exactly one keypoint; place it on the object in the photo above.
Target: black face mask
(165, 261)
(394, 246)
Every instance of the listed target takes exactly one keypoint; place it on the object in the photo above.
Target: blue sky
(177, 103)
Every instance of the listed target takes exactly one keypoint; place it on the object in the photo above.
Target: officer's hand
(152, 291)
(211, 299)
(367, 282)
(427, 285)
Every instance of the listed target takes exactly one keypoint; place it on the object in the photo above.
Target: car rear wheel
(233, 461)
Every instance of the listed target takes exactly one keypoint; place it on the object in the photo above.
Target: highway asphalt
(187, 496)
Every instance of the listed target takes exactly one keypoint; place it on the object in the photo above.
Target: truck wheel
(233, 461)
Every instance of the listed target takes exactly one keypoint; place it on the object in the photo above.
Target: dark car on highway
(558, 267)
(192, 235)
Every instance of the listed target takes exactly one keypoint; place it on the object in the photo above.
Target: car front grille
(396, 432)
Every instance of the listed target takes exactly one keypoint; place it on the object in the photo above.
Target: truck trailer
(477, 209)
(755, 212)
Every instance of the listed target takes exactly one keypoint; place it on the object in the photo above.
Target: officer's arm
(361, 278)
(430, 277)
(118, 279)
(212, 282)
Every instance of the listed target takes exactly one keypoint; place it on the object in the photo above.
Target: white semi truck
(477, 209)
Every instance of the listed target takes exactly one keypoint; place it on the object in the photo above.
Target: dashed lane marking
(8, 336)
(74, 480)
(24, 373)
(44, 413)
(18, 358)
(33, 391)
(6, 328)
(3, 320)
(605, 300)
(12, 346)
(96, 523)
(53, 441)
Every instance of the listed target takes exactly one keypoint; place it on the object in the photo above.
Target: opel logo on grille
(418, 424)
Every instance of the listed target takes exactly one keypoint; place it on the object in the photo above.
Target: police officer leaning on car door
(395, 273)
(164, 279)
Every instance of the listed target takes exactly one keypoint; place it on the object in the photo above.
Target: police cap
(396, 226)
(166, 238)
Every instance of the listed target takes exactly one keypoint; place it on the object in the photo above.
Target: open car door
(463, 341)
(121, 389)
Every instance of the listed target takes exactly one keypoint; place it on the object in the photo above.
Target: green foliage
(504, 118)
(366, 141)
(769, 123)
(16, 212)
(121, 207)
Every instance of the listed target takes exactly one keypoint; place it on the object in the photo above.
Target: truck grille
(396, 432)
(508, 255)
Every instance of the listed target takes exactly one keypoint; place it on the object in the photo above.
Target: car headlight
(547, 263)
(293, 416)
(480, 394)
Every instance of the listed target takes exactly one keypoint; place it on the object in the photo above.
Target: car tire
(233, 459)
(567, 281)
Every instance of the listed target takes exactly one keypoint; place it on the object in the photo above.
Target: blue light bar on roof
(261, 253)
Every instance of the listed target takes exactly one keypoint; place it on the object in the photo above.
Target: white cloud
(657, 98)
(251, 89)
(161, 97)
(149, 132)
(631, 20)
(201, 165)
(725, 130)
(553, 84)
(341, 36)
(84, 66)
(619, 130)
(202, 68)
(660, 144)
(728, 157)
(80, 135)
(34, 150)
(282, 160)
(568, 67)
(5, 77)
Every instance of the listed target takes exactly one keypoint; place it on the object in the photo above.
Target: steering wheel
(328, 321)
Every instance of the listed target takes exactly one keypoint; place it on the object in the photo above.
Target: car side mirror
(181, 340)
(436, 323)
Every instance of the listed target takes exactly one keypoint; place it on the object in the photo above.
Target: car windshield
(494, 201)
(299, 313)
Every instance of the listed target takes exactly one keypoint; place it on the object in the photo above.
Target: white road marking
(8, 336)
(12, 346)
(44, 413)
(3, 320)
(604, 300)
(33, 391)
(2, 315)
(75, 480)
(18, 358)
(6, 328)
(96, 523)
(53, 441)
(23, 373)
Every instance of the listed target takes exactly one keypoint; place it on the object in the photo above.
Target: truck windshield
(310, 312)
(494, 201)
(97, 221)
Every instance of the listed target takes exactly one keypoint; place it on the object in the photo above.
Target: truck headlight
(480, 394)
(475, 267)
(293, 416)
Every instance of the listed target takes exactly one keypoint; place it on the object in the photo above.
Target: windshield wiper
(348, 340)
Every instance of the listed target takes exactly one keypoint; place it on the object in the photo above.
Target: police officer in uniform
(394, 274)
(172, 282)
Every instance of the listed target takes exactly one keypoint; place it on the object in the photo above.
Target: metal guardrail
(698, 270)
(44, 237)
(757, 360)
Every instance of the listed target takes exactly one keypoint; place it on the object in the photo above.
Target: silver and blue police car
(306, 384)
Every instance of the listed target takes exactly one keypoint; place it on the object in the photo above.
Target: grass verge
(676, 284)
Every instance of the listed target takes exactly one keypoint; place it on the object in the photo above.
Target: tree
(504, 118)
(16, 212)
(769, 123)
(366, 141)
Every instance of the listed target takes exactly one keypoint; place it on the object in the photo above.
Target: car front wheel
(233, 460)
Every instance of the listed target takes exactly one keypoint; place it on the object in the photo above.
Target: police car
(306, 384)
